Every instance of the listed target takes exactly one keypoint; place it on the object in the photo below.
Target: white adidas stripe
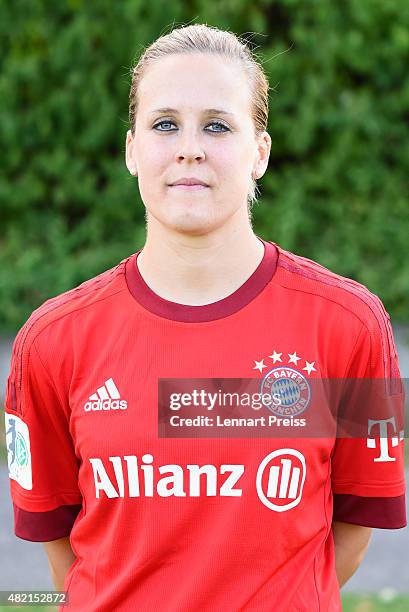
(107, 391)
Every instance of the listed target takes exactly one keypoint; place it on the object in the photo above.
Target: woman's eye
(171, 123)
(163, 123)
(220, 124)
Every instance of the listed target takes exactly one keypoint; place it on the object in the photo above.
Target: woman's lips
(188, 187)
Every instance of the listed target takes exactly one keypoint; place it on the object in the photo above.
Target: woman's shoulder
(301, 274)
(59, 307)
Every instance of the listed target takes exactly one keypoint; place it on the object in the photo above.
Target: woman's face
(219, 148)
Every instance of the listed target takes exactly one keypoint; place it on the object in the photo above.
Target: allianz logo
(279, 480)
(106, 397)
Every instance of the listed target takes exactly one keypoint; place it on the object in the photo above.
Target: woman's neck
(198, 270)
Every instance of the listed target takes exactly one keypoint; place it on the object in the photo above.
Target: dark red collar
(208, 312)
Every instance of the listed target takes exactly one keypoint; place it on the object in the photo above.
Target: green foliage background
(336, 189)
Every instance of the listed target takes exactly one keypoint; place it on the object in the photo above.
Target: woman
(146, 510)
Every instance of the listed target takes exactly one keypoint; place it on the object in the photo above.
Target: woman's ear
(263, 149)
(129, 158)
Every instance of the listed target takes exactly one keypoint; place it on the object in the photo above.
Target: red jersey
(196, 523)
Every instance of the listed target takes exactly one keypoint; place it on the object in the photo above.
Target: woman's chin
(191, 224)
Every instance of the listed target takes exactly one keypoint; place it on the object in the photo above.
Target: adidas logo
(107, 397)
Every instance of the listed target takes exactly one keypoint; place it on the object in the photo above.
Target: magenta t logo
(383, 438)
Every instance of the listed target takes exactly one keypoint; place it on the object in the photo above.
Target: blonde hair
(208, 39)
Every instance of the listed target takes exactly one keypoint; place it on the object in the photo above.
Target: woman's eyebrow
(207, 111)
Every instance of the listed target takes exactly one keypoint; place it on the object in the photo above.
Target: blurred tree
(336, 190)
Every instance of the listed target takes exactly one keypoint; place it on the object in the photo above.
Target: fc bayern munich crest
(291, 386)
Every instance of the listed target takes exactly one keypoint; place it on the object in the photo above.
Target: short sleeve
(367, 473)
(43, 467)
